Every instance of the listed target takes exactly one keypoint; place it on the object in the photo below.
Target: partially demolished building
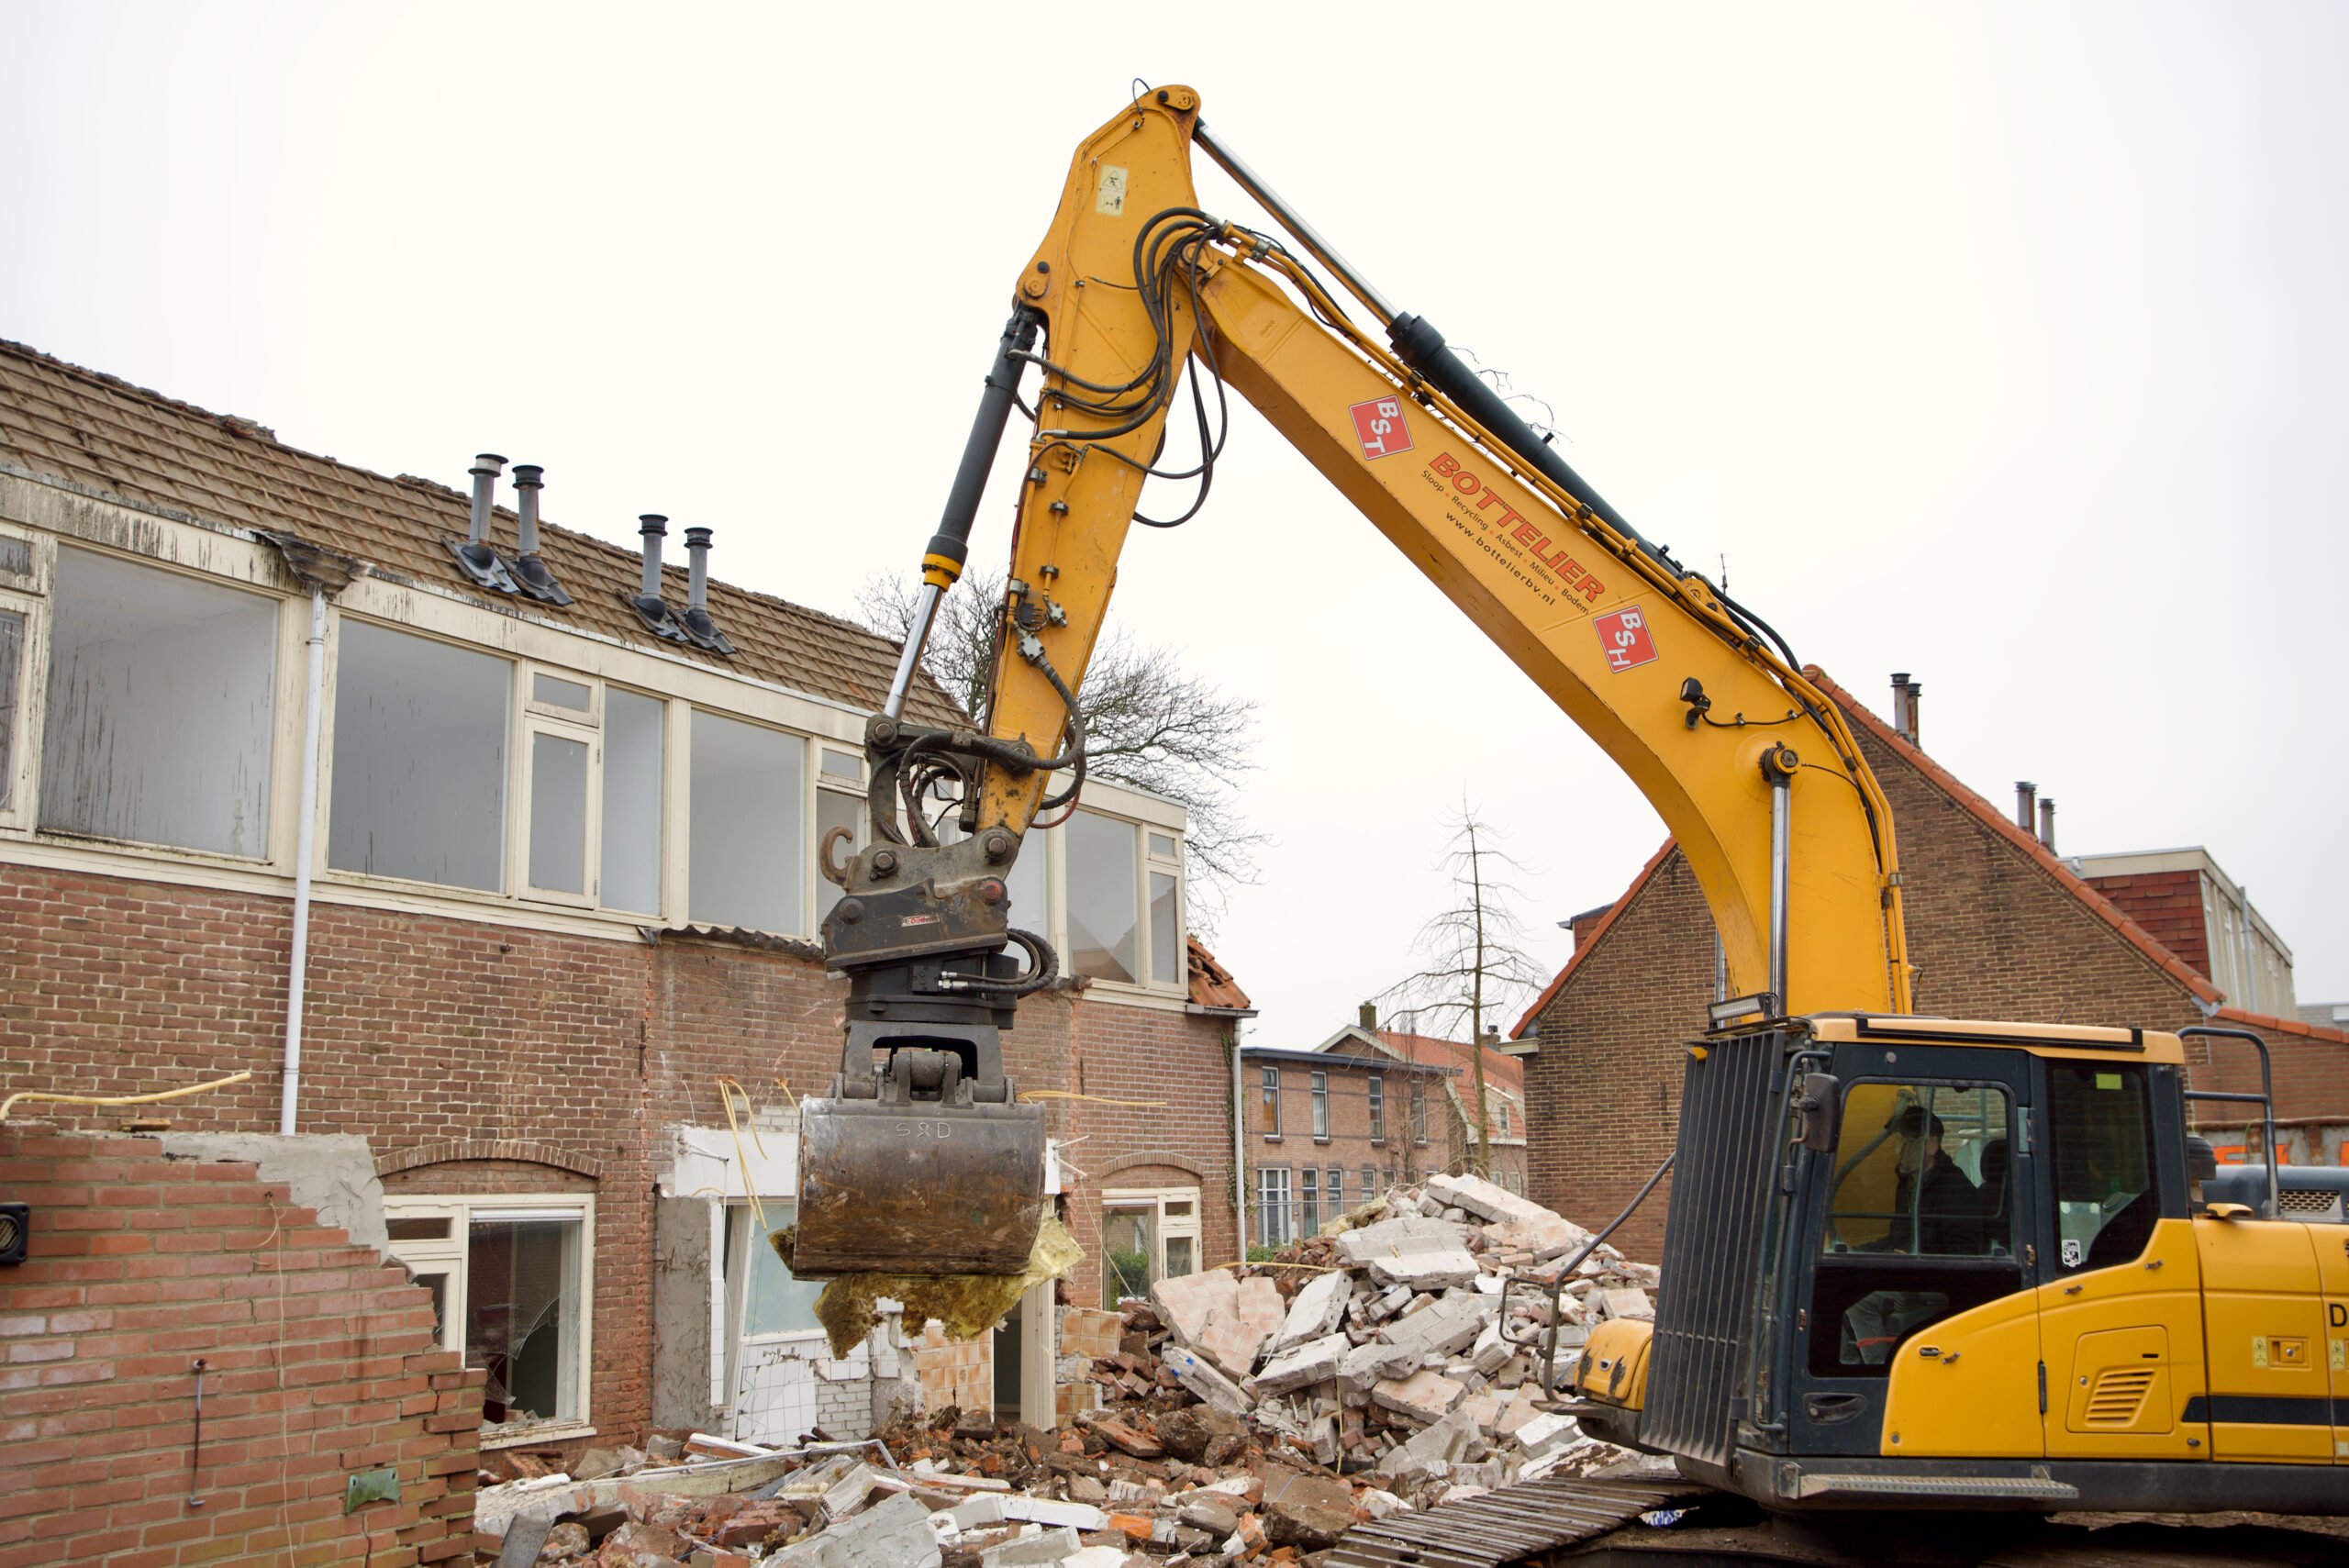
(496, 845)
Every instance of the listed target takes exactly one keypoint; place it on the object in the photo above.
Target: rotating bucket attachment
(922, 1161)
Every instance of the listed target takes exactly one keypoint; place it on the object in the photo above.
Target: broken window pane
(420, 759)
(553, 691)
(159, 696)
(1104, 905)
(747, 806)
(558, 812)
(774, 1302)
(834, 810)
(1165, 932)
(11, 665)
(522, 1314)
(632, 861)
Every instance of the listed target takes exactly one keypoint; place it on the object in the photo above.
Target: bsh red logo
(1625, 638)
(1380, 428)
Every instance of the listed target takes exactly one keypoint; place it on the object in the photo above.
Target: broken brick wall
(491, 1059)
(1992, 930)
(319, 1363)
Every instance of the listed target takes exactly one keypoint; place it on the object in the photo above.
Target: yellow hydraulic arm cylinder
(1702, 712)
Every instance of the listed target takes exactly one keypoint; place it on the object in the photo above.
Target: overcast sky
(2004, 345)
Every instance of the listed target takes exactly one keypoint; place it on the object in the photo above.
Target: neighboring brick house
(1999, 927)
(2198, 912)
(563, 889)
(1330, 1128)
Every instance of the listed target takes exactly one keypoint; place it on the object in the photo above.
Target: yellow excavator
(1910, 1261)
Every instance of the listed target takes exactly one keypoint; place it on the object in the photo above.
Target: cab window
(2101, 1118)
(1921, 1170)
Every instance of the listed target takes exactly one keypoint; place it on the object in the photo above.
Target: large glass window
(420, 759)
(775, 1301)
(1272, 1220)
(1921, 1169)
(559, 771)
(1309, 1202)
(2106, 1199)
(748, 832)
(630, 871)
(159, 718)
(1104, 903)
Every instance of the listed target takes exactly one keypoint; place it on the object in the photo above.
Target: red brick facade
(479, 1058)
(317, 1363)
(1998, 929)
(2168, 903)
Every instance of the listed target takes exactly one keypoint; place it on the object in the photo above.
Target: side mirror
(1816, 1104)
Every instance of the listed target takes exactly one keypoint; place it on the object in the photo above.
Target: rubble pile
(1251, 1413)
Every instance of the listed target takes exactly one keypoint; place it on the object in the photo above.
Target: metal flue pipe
(653, 527)
(697, 551)
(528, 479)
(486, 467)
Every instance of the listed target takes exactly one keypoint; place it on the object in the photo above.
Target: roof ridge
(2038, 853)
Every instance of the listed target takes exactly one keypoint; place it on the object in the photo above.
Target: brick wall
(319, 1364)
(2168, 903)
(1993, 930)
(460, 1043)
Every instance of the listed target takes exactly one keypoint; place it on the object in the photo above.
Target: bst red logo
(1624, 637)
(1380, 428)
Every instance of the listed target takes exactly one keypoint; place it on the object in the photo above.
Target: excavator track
(1661, 1523)
(1512, 1525)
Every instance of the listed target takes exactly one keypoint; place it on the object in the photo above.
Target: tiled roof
(106, 436)
(1500, 1071)
(1211, 984)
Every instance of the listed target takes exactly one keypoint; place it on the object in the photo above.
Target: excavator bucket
(926, 1164)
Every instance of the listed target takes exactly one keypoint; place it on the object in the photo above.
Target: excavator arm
(1751, 766)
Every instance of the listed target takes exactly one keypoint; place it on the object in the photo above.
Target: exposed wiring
(47, 1096)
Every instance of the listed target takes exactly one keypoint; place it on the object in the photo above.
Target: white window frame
(1268, 1077)
(26, 595)
(1376, 1092)
(838, 786)
(1164, 1225)
(535, 721)
(1146, 861)
(451, 1254)
(1320, 1088)
(1266, 1207)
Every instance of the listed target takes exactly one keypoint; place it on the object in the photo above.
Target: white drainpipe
(305, 846)
(1238, 1146)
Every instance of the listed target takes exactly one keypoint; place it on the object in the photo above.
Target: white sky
(2002, 344)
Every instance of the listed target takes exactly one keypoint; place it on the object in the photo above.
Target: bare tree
(1146, 723)
(1476, 964)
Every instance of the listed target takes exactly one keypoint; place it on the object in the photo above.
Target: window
(1337, 1190)
(560, 777)
(13, 619)
(1377, 1109)
(1418, 1109)
(1111, 929)
(1104, 917)
(746, 864)
(1309, 1202)
(1272, 1205)
(1504, 1110)
(1271, 1079)
(1911, 1162)
(420, 759)
(1147, 1235)
(840, 802)
(1320, 1108)
(1369, 1183)
(512, 1284)
(1027, 879)
(161, 696)
(1388, 1176)
(2106, 1199)
(774, 1302)
(631, 839)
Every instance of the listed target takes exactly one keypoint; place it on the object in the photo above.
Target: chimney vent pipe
(697, 548)
(528, 478)
(1369, 1016)
(654, 528)
(1905, 693)
(2026, 805)
(486, 467)
(2047, 824)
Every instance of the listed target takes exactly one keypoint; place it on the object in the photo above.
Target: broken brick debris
(1247, 1414)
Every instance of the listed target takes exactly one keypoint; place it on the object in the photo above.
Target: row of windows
(1270, 1081)
(1291, 1203)
(157, 717)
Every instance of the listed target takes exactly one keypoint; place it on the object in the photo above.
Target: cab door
(2331, 1244)
(2120, 1313)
